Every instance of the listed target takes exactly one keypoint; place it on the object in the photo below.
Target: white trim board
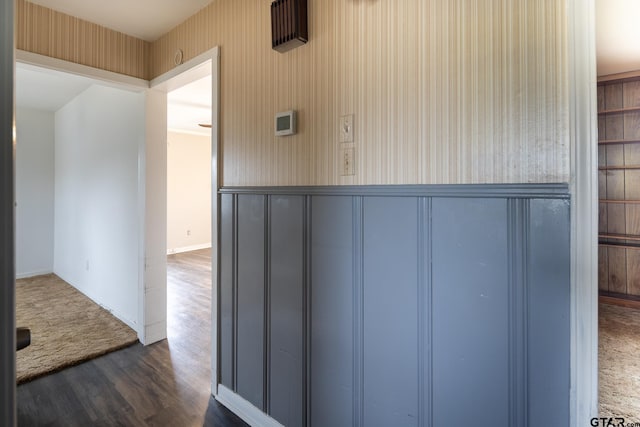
(198, 67)
(205, 64)
(33, 274)
(188, 248)
(244, 409)
(581, 76)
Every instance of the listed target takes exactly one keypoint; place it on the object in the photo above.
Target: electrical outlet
(348, 167)
(188, 232)
(346, 128)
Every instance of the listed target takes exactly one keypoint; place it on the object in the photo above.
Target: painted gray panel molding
(425, 313)
(548, 301)
(226, 309)
(250, 355)
(470, 312)
(286, 309)
(426, 309)
(390, 281)
(332, 313)
(518, 250)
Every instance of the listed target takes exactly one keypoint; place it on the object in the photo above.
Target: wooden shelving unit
(619, 185)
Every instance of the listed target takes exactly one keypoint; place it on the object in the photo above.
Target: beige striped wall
(443, 91)
(47, 32)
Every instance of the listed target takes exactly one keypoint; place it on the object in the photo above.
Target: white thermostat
(285, 123)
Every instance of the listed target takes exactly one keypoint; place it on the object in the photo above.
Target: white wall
(188, 192)
(97, 224)
(34, 191)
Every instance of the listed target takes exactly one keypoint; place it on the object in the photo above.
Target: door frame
(7, 220)
(583, 136)
(194, 69)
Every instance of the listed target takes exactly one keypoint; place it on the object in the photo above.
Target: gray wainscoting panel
(226, 299)
(420, 306)
(331, 382)
(286, 298)
(549, 308)
(250, 356)
(470, 312)
(390, 278)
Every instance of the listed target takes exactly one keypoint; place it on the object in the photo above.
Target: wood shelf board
(628, 76)
(631, 202)
(623, 300)
(630, 167)
(619, 245)
(619, 237)
(618, 141)
(619, 110)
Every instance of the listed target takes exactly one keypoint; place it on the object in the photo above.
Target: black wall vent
(289, 27)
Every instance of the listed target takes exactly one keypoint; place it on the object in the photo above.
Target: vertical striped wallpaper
(47, 32)
(443, 91)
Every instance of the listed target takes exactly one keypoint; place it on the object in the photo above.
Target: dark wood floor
(164, 384)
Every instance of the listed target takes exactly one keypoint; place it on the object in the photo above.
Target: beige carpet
(66, 327)
(619, 362)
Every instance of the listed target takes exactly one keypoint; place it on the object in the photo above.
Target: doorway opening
(618, 124)
(183, 189)
(189, 224)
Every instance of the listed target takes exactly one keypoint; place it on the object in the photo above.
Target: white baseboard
(154, 333)
(244, 409)
(188, 248)
(32, 274)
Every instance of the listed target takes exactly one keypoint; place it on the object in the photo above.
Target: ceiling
(145, 19)
(617, 36)
(190, 105)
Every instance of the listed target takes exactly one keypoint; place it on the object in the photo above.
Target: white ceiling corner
(617, 36)
(47, 90)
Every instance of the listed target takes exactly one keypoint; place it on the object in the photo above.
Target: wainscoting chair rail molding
(520, 191)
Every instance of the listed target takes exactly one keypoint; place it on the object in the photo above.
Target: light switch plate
(346, 128)
(347, 164)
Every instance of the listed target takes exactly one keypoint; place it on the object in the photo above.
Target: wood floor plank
(615, 184)
(616, 223)
(633, 272)
(617, 270)
(633, 219)
(602, 218)
(632, 184)
(603, 268)
(164, 384)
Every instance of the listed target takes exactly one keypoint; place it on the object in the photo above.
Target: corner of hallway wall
(34, 175)
(443, 92)
(48, 32)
